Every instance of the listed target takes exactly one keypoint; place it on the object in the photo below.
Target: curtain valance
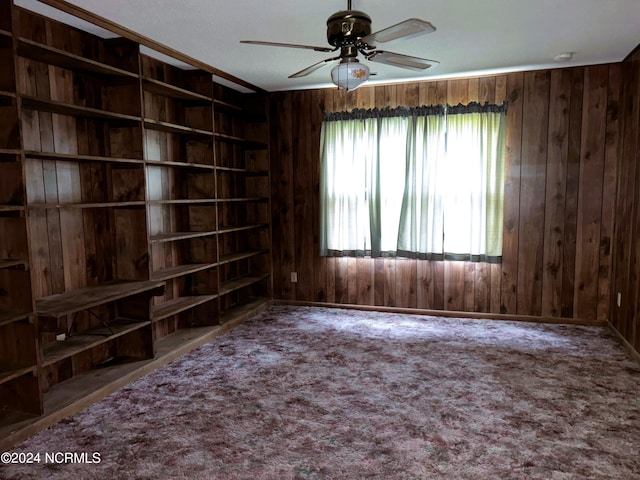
(419, 111)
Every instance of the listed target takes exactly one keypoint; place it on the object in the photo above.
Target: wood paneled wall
(562, 150)
(626, 262)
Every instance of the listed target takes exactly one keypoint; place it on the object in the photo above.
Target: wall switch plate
(619, 300)
(61, 337)
(294, 277)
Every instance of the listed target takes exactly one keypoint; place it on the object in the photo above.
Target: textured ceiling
(472, 37)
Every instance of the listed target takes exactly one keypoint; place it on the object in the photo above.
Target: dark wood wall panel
(303, 144)
(590, 196)
(282, 203)
(563, 139)
(625, 273)
(609, 184)
(533, 165)
(556, 187)
(511, 230)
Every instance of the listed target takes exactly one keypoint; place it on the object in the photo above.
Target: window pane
(414, 185)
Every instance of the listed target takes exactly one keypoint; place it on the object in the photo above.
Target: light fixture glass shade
(349, 74)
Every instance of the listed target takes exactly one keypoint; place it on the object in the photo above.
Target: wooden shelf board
(229, 107)
(244, 171)
(187, 339)
(183, 337)
(56, 306)
(10, 151)
(12, 422)
(241, 282)
(69, 397)
(175, 128)
(10, 316)
(11, 208)
(61, 108)
(250, 144)
(242, 228)
(55, 351)
(179, 271)
(5, 33)
(234, 257)
(8, 374)
(249, 308)
(175, 236)
(178, 305)
(81, 387)
(80, 157)
(10, 262)
(231, 169)
(46, 54)
(5, 93)
(244, 200)
(138, 203)
(161, 88)
(187, 165)
(185, 201)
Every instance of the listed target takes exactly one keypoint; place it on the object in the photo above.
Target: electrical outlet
(619, 301)
(294, 277)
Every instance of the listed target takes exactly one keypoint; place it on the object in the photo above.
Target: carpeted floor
(317, 393)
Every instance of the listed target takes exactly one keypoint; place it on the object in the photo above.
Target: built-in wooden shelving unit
(134, 215)
(20, 395)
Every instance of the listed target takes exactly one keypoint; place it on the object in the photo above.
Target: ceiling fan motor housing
(346, 27)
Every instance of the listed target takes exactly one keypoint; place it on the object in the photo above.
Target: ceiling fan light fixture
(349, 74)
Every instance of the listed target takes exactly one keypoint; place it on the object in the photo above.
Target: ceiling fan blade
(400, 60)
(289, 45)
(409, 28)
(313, 68)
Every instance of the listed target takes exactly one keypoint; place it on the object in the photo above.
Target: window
(423, 182)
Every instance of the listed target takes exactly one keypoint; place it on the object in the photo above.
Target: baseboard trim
(632, 351)
(450, 314)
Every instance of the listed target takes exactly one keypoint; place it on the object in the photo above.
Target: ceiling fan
(350, 32)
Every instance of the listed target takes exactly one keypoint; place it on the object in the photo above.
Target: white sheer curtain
(421, 226)
(391, 175)
(413, 182)
(473, 174)
(348, 153)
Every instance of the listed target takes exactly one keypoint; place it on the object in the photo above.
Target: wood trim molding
(632, 351)
(632, 53)
(102, 22)
(450, 314)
